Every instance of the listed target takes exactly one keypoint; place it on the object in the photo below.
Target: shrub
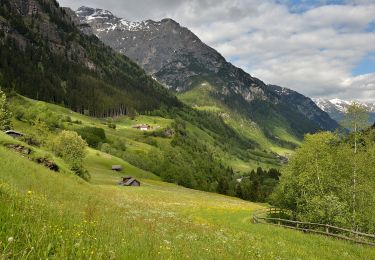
(93, 136)
(112, 125)
(5, 115)
(67, 119)
(71, 147)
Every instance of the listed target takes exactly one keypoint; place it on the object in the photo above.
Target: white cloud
(312, 52)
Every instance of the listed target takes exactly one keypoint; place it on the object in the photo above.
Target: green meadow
(57, 215)
(49, 215)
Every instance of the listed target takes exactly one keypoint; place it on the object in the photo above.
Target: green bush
(112, 125)
(5, 115)
(72, 148)
(93, 136)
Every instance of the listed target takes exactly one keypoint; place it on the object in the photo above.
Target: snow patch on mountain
(108, 22)
(336, 108)
(340, 104)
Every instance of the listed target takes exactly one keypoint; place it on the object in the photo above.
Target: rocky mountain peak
(94, 13)
(178, 59)
(336, 107)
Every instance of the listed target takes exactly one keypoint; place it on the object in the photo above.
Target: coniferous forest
(68, 68)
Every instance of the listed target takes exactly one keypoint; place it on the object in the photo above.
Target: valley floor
(57, 215)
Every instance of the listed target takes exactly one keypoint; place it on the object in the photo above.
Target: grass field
(57, 215)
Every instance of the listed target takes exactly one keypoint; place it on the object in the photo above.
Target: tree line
(331, 178)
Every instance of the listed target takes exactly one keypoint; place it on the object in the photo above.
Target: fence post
(327, 229)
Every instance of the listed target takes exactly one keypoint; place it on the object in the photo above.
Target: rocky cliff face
(180, 60)
(171, 53)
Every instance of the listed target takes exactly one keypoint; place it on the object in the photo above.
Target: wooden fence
(263, 217)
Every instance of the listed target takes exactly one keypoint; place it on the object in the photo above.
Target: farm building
(14, 134)
(143, 127)
(117, 168)
(129, 181)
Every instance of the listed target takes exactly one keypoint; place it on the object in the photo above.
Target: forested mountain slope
(181, 61)
(44, 56)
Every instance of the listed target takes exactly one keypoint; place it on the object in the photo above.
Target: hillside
(336, 108)
(181, 61)
(194, 149)
(57, 215)
(205, 153)
(44, 56)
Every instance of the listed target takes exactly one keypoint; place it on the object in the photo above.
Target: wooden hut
(117, 168)
(129, 181)
(14, 134)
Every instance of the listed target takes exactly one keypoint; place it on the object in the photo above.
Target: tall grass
(54, 215)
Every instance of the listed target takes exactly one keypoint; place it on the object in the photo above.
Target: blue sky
(300, 6)
(320, 48)
(366, 65)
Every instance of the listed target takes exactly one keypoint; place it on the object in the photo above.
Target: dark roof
(12, 132)
(130, 181)
(127, 177)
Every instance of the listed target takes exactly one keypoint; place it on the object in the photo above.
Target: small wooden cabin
(117, 168)
(14, 134)
(129, 181)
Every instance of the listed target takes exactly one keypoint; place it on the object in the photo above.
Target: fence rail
(262, 217)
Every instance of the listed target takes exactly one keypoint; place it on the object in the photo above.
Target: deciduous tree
(5, 114)
(71, 147)
(356, 119)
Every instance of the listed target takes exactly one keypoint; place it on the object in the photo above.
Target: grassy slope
(59, 215)
(136, 142)
(199, 97)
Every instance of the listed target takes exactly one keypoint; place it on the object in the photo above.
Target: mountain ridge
(178, 59)
(336, 107)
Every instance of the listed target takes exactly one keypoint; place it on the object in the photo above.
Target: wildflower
(10, 239)
(29, 192)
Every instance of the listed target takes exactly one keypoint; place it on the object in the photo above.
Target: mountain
(178, 59)
(44, 56)
(336, 107)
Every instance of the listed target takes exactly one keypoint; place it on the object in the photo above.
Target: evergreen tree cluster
(258, 185)
(70, 68)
